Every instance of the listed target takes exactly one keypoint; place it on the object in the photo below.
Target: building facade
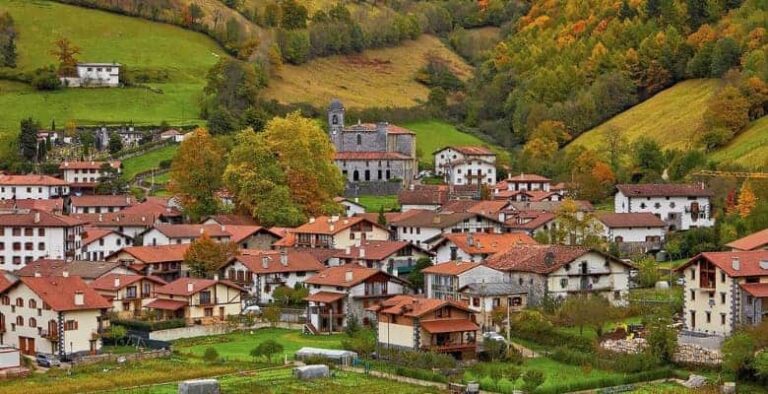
(28, 235)
(466, 165)
(32, 187)
(681, 207)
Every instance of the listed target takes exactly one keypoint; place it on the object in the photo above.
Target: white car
(493, 336)
(251, 309)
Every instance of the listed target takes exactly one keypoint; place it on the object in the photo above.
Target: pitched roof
(750, 263)
(30, 180)
(107, 282)
(485, 243)
(540, 259)
(664, 190)
(492, 289)
(101, 201)
(60, 292)
(295, 261)
(369, 127)
(168, 305)
(36, 218)
(523, 177)
(375, 250)
(180, 286)
(83, 269)
(370, 156)
(549, 206)
(53, 205)
(331, 225)
(630, 220)
(155, 254)
(337, 276)
(469, 150)
(233, 220)
(486, 207)
(451, 268)
(321, 254)
(93, 234)
(450, 325)
(240, 233)
(528, 221)
(752, 241)
(191, 230)
(415, 306)
(759, 290)
(153, 206)
(424, 195)
(325, 297)
(431, 219)
(117, 219)
(6, 280)
(87, 165)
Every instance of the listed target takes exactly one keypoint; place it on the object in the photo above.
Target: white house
(680, 206)
(333, 232)
(53, 315)
(466, 165)
(127, 293)
(173, 135)
(176, 234)
(94, 75)
(351, 207)
(394, 257)
(84, 175)
(558, 271)
(485, 298)
(422, 197)
(443, 281)
(99, 243)
(476, 247)
(524, 182)
(166, 262)
(99, 203)
(260, 272)
(33, 187)
(88, 271)
(28, 235)
(423, 228)
(130, 224)
(198, 301)
(641, 229)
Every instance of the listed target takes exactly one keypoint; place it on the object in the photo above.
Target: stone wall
(372, 189)
(686, 353)
(188, 332)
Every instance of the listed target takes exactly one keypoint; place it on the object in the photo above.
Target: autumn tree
(615, 144)
(747, 200)
(196, 174)
(205, 256)
(575, 227)
(66, 53)
(727, 113)
(586, 310)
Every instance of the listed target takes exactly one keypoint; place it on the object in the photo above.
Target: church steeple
(336, 122)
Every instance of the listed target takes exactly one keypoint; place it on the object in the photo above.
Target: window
(32, 303)
(693, 295)
(642, 205)
(19, 321)
(5, 300)
(208, 312)
(563, 283)
(20, 302)
(16, 232)
(617, 295)
(32, 322)
(41, 246)
(722, 298)
(130, 292)
(657, 205)
(70, 325)
(29, 246)
(693, 274)
(709, 316)
(359, 139)
(29, 232)
(722, 277)
(476, 301)
(205, 297)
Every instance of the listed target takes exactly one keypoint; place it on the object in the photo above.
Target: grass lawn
(105, 37)
(237, 345)
(148, 161)
(750, 148)
(374, 203)
(432, 135)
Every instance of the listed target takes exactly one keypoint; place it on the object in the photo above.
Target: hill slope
(749, 149)
(106, 37)
(375, 78)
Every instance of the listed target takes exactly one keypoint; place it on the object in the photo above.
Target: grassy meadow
(432, 135)
(749, 148)
(147, 161)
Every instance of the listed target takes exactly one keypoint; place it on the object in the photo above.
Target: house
(52, 315)
(83, 176)
(165, 262)
(367, 152)
(524, 182)
(94, 75)
(98, 243)
(424, 228)
(176, 234)
(476, 247)
(252, 237)
(351, 207)
(466, 165)
(27, 235)
(394, 257)
(681, 206)
(173, 135)
(197, 301)
(128, 293)
(423, 197)
(130, 224)
(725, 290)
(260, 272)
(443, 281)
(32, 187)
(99, 203)
(755, 241)
(556, 271)
(337, 293)
(88, 271)
(336, 233)
(486, 298)
(412, 323)
(164, 210)
(54, 206)
(640, 232)
(231, 220)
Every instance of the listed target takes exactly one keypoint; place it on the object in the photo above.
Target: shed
(339, 356)
(308, 372)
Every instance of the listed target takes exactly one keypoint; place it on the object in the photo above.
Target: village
(490, 276)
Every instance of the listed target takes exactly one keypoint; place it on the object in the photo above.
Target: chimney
(284, 258)
(37, 217)
(128, 200)
(223, 228)
(347, 250)
(101, 217)
(190, 287)
(311, 220)
(79, 298)
(334, 219)
(65, 274)
(735, 263)
(763, 264)
(216, 277)
(37, 274)
(331, 227)
(117, 281)
(349, 276)
(202, 230)
(411, 187)
(470, 239)
(362, 252)
(265, 262)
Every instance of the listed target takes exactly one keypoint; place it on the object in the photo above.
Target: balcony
(590, 271)
(208, 301)
(328, 312)
(450, 347)
(51, 335)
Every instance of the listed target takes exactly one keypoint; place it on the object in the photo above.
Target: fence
(93, 359)
(188, 332)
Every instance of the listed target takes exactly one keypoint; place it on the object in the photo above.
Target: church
(372, 153)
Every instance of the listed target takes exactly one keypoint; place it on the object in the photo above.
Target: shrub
(662, 340)
(267, 349)
(532, 379)
(45, 79)
(211, 355)
(423, 360)
(141, 325)
(272, 314)
(362, 342)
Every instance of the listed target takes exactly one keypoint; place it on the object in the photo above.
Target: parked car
(47, 360)
(251, 309)
(680, 281)
(493, 336)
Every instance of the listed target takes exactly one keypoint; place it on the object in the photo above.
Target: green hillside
(433, 135)
(106, 37)
(750, 148)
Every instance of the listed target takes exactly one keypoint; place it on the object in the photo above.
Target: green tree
(725, 55)
(8, 35)
(267, 349)
(653, 8)
(416, 277)
(381, 219)
(294, 15)
(205, 256)
(211, 355)
(196, 174)
(28, 139)
(587, 310)
(45, 78)
(739, 354)
(648, 158)
(662, 339)
(110, 182)
(626, 11)
(115, 143)
(232, 87)
(115, 333)
(698, 13)
(532, 379)
(648, 272)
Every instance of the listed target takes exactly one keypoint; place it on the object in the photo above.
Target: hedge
(141, 325)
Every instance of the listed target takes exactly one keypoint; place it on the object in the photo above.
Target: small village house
(32, 187)
(94, 75)
(352, 207)
(197, 301)
(88, 271)
(754, 241)
(424, 228)
(466, 165)
(476, 247)
(100, 243)
(83, 176)
(443, 281)
(332, 232)
(165, 262)
(176, 234)
(487, 300)
(395, 257)
(127, 293)
(28, 235)
(680, 206)
(99, 203)
(633, 232)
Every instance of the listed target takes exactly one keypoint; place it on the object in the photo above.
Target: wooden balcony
(51, 335)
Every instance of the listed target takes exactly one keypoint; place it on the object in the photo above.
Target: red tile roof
(374, 250)
(180, 286)
(83, 269)
(451, 268)
(750, 263)
(469, 150)
(117, 219)
(452, 325)
(415, 306)
(540, 259)
(87, 165)
(431, 219)
(424, 195)
(369, 127)
(758, 240)
(36, 218)
(325, 297)
(153, 206)
(167, 305)
(240, 233)
(6, 281)
(295, 261)
(192, 230)
(54, 205)
(523, 177)
(59, 293)
(93, 234)
(664, 190)
(337, 276)
(759, 290)
(107, 282)
(370, 156)
(101, 201)
(630, 220)
(155, 254)
(537, 219)
(326, 225)
(30, 180)
(483, 243)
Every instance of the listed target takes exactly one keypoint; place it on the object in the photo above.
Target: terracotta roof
(630, 220)
(36, 218)
(549, 206)
(415, 306)
(375, 250)
(664, 190)
(83, 269)
(167, 305)
(492, 289)
(295, 262)
(523, 177)
(337, 276)
(452, 325)
(424, 195)
(325, 225)
(325, 297)
(531, 195)
(368, 127)
(107, 282)
(53, 205)
(759, 290)
(6, 280)
(180, 286)
(191, 230)
(750, 263)
(431, 219)
(540, 259)
(233, 220)
(30, 180)
(321, 254)
(155, 254)
(101, 201)
(87, 165)
(288, 240)
(469, 150)
(117, 219)
(370, 156)
(484, 243)
(153, 206)
(487, 207)
(451, 268)
(93, 234)
(758, 240)
(59, 293)
(240, 233)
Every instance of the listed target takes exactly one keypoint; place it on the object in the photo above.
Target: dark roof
(336, 105)
(83, 269)
(630, 220)
(664, 190)
(424, 195)
(540, 259)
(370, 156)
(492, 289)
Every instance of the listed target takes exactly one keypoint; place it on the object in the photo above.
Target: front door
(27, 345)
(221, 313)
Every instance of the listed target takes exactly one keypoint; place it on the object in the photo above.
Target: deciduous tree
(205, 256)
(66, 53)
(747, 200)
(196, 174)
